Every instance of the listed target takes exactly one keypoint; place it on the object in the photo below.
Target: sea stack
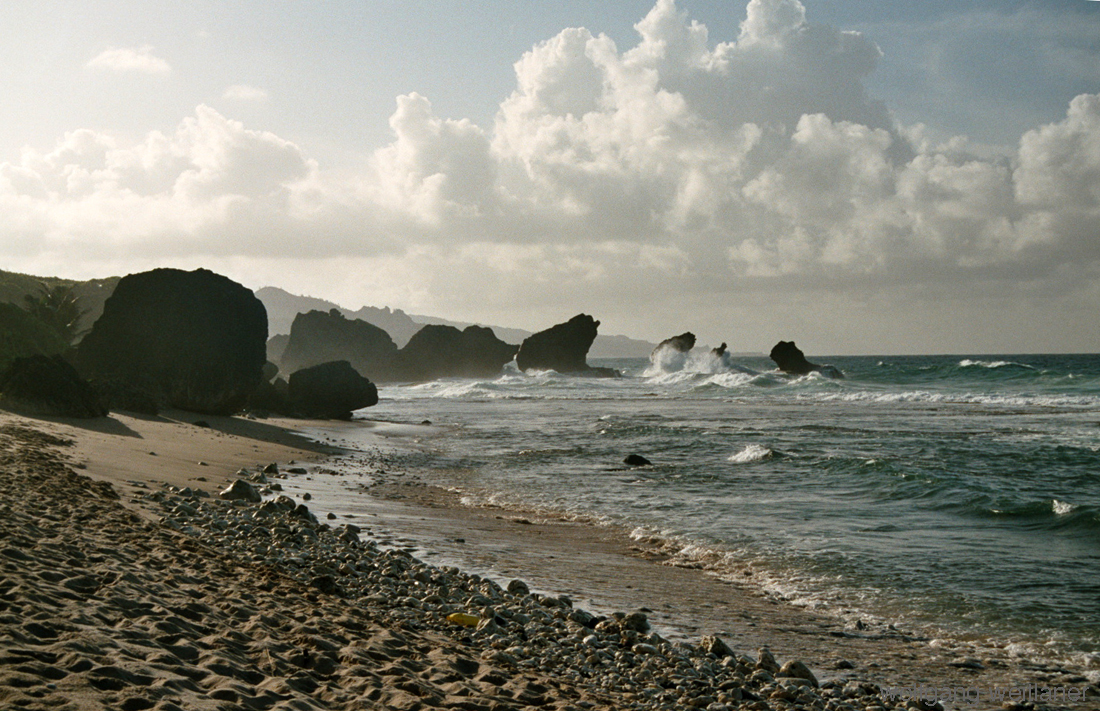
(791, 360)
(562, 348)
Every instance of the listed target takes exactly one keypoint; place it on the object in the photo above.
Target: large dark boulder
(330, 390)
(191, 340)
(562, 348)
(790, 359)
(681, 344)
(48, 385)
(445, 352)
(325, 336)
(272, 394)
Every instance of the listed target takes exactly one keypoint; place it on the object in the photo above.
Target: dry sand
(102, 607)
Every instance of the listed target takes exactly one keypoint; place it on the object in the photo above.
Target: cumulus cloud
(676, 169)
(437, 170)
(130, 59)
(199, 188)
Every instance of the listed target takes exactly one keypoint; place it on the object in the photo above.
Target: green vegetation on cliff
(21, 334)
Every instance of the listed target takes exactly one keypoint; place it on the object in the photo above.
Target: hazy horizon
(858, 177)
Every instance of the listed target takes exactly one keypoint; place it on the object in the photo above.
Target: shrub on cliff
(21, 334)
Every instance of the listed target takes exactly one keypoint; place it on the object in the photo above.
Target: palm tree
(59, 308)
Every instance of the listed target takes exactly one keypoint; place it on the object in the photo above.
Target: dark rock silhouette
(433, 352)
(283, 307)
(444, 351)
(121, 394)
(271, 396)
(48, 385)
(269, 371)
(719, 351)
(790, 359)
(190, 340)
(276, 346)
(562, 348)
(325, 336)
(637, 460)
(330, 390)
(682, 343)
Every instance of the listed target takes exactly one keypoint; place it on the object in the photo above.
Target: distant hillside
(91, 293)
(620, 347)
(283, 306)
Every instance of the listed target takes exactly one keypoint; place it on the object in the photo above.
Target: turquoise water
(956, 495)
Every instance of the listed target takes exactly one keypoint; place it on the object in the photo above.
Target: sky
(859, 176)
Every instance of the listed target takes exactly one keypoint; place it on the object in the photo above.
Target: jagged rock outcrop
(323, 337)
(562, 348)
(48, 385)
(283, 307)
(446, 352)
(433, 352)
(330, 390)
(682, 343)
(790, 359)
(190, 340)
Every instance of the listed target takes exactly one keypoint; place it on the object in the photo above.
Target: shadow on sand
(249, 429)
(106, 425)
(230, 426)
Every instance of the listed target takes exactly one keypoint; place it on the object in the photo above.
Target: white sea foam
(970, 398)
(968, 363)
(730, 380)
(751, 453)
(1062, 508)
(699, 361)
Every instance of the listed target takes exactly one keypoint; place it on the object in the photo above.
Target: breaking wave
(751, 453)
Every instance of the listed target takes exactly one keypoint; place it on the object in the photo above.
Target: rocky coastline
(151, 594)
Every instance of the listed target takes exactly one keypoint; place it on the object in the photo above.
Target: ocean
(951, 495)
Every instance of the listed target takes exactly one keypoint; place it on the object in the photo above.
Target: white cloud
(212, 186)
(244, 92)
(436, 170)
(129, 59)
(677, 173)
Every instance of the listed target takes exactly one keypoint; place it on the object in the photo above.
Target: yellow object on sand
(461, 618)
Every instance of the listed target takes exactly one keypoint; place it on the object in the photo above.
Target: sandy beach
(129, 583)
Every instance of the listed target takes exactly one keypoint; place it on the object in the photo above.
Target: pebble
(507, 626)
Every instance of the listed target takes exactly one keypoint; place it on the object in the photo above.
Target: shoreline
(606, 568)
(543, 552)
